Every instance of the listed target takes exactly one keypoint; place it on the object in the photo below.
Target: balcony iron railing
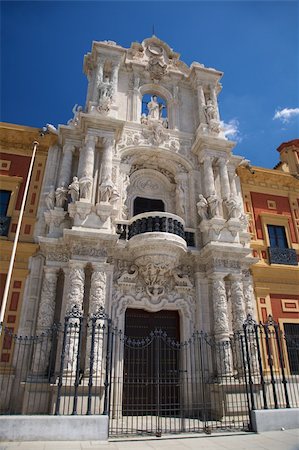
(4, 225)
(155, 222)
(286, 256)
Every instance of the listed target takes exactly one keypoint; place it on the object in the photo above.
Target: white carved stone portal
(108, 155)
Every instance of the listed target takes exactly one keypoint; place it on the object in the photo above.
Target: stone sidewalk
(272, 440)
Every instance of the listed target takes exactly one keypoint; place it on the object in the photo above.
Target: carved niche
(151, 183)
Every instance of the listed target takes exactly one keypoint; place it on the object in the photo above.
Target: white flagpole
(14, 248)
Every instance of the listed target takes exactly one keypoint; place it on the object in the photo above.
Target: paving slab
(272, 440)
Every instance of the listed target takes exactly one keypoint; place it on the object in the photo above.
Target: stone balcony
(156, 233)
(155, 221)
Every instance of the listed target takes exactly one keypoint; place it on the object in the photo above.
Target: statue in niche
(213, 203)
(210, 111)
(61, 196)
(107, 191)
(180, 200)
(74, 190)
(154, 108)
(85, 187)
(202, 207)
(233, 208)
(50, 198)
(105, 95)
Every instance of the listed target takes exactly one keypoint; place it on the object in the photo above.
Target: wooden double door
(151, 380)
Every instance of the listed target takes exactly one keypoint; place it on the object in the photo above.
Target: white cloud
(286, 114)
(231, 130)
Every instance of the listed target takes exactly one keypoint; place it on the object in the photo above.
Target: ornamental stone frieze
(154, 280)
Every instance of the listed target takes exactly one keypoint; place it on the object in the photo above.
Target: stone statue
(85, 187)
(61, 196)
(180, 200)
(154, 108)
(50, 198)
(233, 208)
(114, 195)
(210, 111)
(74, 190)
(76, 111)
(106, 190)
(105, 95)
(213, 203)
(202, 207)
(126, 183)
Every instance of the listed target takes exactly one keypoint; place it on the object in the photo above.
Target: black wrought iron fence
(165, 386)
(151, 385)
(63, 370)
(271, 365)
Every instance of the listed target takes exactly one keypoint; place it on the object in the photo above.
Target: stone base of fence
(275, 419)
(54, 428)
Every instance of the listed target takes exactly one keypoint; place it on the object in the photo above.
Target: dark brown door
(151, 363)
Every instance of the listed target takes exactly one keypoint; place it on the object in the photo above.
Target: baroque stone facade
(141, 205)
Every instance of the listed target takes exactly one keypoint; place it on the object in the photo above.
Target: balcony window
(279, 251)
(4, 220)
(277, 236)
(4, 202)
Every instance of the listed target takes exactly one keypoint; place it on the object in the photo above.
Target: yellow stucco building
(16, 149)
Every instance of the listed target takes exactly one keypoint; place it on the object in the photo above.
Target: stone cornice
(203, 142)
(19, 139)
(266, 178)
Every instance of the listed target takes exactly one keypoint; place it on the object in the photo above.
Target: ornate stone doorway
(151, 363)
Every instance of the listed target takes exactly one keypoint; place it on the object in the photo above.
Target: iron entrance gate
(167, 386)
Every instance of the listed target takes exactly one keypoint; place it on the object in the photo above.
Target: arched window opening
(154, 109)
(142, 205)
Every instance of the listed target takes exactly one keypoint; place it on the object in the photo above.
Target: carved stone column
(237, 301)
(97, 301)
(75, 298)
(98, 79)
(201, 104)
(221, 326)
(249, 298)
(238, 317)
(106, 166)
(86, 163)
(208, 176)
(76, 285)
(106, 184)
(175, 107)
(66, 165)
(45, 320)
(224, 180)
(114, 77)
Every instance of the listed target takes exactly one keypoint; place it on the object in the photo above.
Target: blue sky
(255, 44)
